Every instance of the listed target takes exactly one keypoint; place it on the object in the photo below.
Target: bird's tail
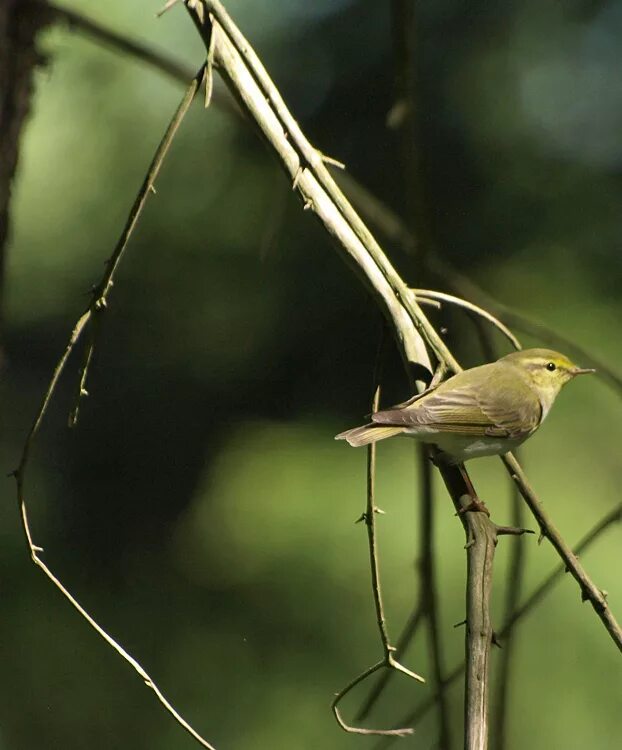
(369, 433)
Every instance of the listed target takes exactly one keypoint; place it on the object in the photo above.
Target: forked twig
(97, 304)
(608, 520)
(388, 660)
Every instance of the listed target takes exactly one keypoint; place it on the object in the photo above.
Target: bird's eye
(551, 367)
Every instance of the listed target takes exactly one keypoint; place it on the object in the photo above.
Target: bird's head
(546, 370)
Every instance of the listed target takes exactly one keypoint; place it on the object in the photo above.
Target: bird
(483, 411)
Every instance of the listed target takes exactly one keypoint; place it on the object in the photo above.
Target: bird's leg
(476, 505)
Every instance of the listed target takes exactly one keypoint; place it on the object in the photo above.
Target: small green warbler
(484, 411)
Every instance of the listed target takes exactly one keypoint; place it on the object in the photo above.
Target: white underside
(460, 448)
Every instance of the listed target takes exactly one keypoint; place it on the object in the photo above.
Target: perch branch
(97, 303)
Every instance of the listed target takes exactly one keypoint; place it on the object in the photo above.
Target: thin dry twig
(429, 598)
(97, 304)
(513, 590)
(388, 660)
(99, 296)
(429, 294)
(607, 521)
(589, 591)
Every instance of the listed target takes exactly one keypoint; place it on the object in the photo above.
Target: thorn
(296, 178)
(404, 670)
(584, 595)
(379, 511)
(329, 160)
(443, 331)
(152, 189)
(168, 6)
(460, 624)
(512, 531)
(83, 392)
(362, 517)
(604, 593)
(36, 548)
(494, 640)
(209, 84)
(308, 204)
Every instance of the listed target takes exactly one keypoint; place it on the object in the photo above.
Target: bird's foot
(475, 505)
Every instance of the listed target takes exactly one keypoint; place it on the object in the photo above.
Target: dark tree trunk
(20, 21)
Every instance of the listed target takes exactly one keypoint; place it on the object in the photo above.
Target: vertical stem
(512, 599)
(481, 541)
(370, 522)
(429, 603)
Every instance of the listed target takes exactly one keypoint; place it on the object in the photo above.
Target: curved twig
(388, 661)
(430, 294)
(98, 303)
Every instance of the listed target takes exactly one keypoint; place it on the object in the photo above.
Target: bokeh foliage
(202, 510)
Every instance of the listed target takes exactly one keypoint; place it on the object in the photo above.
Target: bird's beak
(581, 371)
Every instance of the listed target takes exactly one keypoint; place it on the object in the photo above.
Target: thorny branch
(388, 661)
(306, 166)
(245, 75)
(530, 603)
(372, 208)
(97, 304)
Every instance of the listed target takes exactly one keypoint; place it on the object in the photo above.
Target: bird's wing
(504, 407)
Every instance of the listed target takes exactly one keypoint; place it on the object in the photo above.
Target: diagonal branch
(377, 213)
(589, 591)
(245, 75)
(98, 303)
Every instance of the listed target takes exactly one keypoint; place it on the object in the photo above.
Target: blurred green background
(202, 511)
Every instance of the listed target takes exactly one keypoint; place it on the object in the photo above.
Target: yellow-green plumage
(483, 411)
